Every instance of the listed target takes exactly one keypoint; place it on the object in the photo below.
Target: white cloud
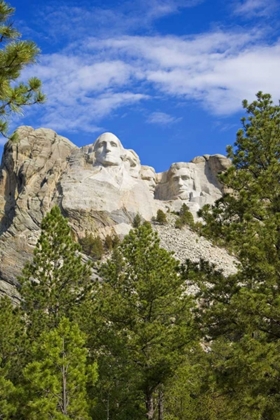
(253, 8)
(162, 118)
(217, 69)
(91, 80)
(80, 91)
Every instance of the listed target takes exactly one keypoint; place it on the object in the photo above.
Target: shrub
(136, 221)
(111, 242)
(92, 246)
(185, 218)
(161, 217)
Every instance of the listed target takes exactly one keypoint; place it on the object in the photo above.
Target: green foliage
(108, 243)
(242, 311)
(92, 246)
(252, 181)
(145, 320)
(15, 55)
(111, 242)
(137, 221)
(7, 394)
(147, 224)
(191, 394)
(12, 344)
(11, 333)
(57, 280)
(57, 377)
(185, 218)
(161, 217)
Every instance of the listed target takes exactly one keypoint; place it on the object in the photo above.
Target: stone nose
(180, 181)
(108, 147)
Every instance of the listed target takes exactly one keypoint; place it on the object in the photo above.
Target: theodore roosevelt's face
(108, 150)
(148, 175)
(181, 183)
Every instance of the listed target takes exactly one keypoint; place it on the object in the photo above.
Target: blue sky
(166, 76)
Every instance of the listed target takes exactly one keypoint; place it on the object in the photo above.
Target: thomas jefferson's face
(181, 183)
(108, 150)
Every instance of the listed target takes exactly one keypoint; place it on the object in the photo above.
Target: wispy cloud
(128, 17)
(216, 69)
(161, 118)
(80, 90)
(224, 127)
(253, 8)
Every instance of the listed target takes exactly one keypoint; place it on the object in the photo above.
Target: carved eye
(185, 177)
(114, 144)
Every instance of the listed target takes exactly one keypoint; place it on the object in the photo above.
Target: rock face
(29, 187)
(99, 187)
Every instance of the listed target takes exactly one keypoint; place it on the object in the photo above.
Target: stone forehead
(132, 157)
(190, 167)
(107, 137)
(145, 168)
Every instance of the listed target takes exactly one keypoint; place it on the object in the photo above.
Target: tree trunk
(149, 406)
(160, 403)
(64, 385)
(108, 408)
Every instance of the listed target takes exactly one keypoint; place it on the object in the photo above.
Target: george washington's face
(181, 183)
(108, 150)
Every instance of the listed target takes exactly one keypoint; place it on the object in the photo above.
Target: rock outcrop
(29, 187)
(99, 187)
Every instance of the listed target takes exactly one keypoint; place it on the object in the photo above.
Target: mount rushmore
(99, 187)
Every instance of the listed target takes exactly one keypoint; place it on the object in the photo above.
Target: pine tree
(15, 55)
(191, 393)
(108, 243)
(242, 312)
(7, 394)
(147, 324)
(185, 218)
(136, 221)
(11, 335)
(57, 377)
(12, 345)
(92, 246)
(161, 217)
(57, 280)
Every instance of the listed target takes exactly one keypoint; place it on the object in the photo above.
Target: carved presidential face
(181, 183)
(108, 150)
(149, 176)
(132, 163)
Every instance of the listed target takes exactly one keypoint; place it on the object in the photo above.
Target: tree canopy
(57, 280)
(241, 313)
(145, 316)
(57, 376)
(15, 55)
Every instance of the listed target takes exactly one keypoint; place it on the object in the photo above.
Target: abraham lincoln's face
(181, 183)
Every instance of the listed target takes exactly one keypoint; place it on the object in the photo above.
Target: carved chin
(184, 195)
(110, 162)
